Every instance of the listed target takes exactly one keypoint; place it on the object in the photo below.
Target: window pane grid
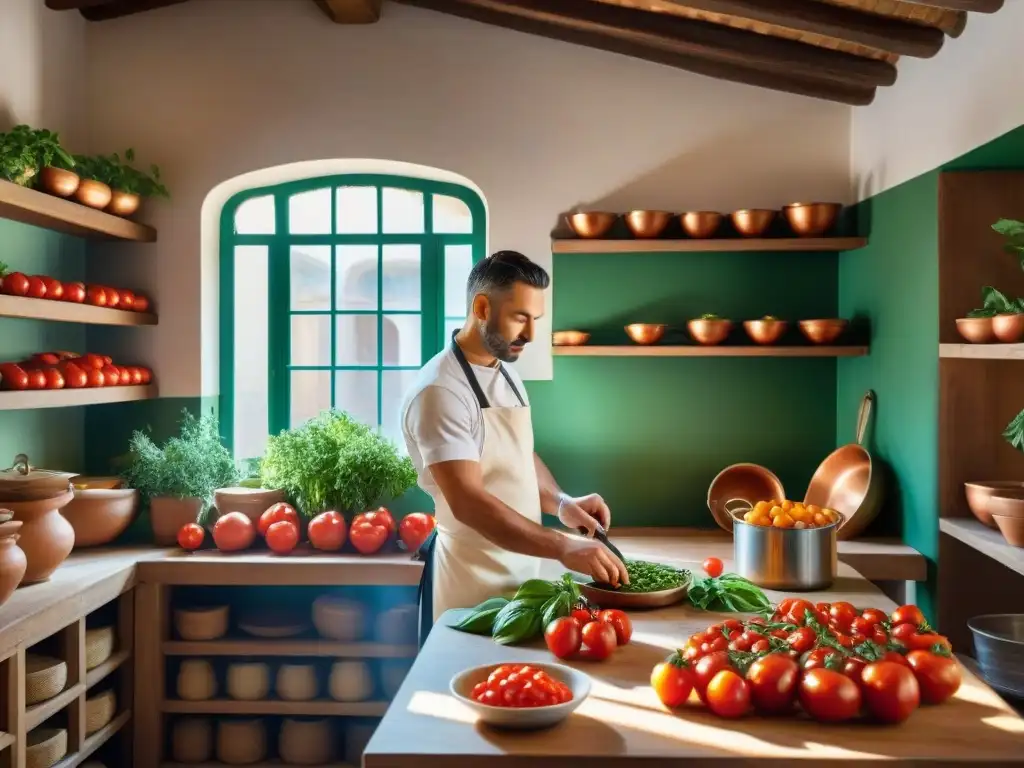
(380, 306)
(353, 367)
(363, 312)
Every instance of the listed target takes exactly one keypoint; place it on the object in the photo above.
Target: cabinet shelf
(289, 648)
(69, 312)
(39, 209)
(65, 398)
(321, 708)
(694, 350)
(95, 741)
(723, 245)
(984, 540)
(983, 351)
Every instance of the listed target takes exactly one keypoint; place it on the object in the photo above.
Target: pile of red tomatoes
(835, 662)
(588, 633)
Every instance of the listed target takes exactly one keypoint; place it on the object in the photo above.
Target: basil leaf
(480, 620)
(555, 608)
(517, 622)
(536, 588)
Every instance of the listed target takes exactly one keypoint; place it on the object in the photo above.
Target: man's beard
(496, 344)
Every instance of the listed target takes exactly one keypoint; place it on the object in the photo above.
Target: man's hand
(594, 559)
(586, 512)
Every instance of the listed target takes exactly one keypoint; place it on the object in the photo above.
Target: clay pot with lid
(23, 482)
(12, 559)
(46, 537)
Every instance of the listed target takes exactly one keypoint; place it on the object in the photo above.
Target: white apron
(464, 568)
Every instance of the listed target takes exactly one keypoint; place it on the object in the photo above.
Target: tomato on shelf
(368, 535)
(191, 536)
(327, 531)
(277, 513)
(233, 532)
(414, 529)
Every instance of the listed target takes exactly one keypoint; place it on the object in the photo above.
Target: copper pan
(848, 482)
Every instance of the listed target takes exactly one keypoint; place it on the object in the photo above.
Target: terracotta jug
(12, 560)
(46, 537)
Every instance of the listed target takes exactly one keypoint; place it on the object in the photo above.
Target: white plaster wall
(211, 92)
(940, 108)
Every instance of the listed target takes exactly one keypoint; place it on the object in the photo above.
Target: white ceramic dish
(462, 685)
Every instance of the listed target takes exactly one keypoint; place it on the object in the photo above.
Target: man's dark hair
(499, 271)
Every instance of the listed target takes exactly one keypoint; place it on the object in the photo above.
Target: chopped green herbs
(653, 577)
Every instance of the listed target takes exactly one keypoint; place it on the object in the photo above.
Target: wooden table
(622, 724)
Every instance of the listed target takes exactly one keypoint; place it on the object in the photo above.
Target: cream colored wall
(211, 92)
(941, 108)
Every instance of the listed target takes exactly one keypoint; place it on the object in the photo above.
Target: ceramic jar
(305, 742)
(338, 618)
(296, 682)
(248, 682)
(12, 559)
(351, 681)
(240, 742)
(46, 537)
(192, 740)
(196, 681)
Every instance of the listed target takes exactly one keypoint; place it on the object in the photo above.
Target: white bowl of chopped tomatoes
(518, 695)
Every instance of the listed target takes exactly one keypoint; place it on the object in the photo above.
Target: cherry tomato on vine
(890, 691)
(938, 677)
(773, 681)
(907, 614)
(829, 696)
(563, 637)
(672, 682)
(727, 694)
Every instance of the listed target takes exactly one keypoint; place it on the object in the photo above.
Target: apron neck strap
(471, 377)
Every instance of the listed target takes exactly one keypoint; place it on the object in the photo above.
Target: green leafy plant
(191, 465)
(995, 302)
(1014, 432)
(121, 175)
(335, 462)
(24, 150)
(1013, 231)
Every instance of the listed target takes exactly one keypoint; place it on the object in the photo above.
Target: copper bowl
(1008, 328)
(981, 493)
(569, 338)
(709, 331)
(1012, 529)
(1008, 503)
(647, 224)
(823, 331)
(752, 222)
(701, 224)
(646, 333)
(94, 194)
(592, 224)
(58, 181)
(767, 330)
(811, 219)
(976, 330)
(746, 483)
(123, 203)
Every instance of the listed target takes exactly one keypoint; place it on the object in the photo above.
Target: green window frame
(432, 249)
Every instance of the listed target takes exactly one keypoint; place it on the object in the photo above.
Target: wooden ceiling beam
(974, 6)
(72, 5)
(351, 11)
(884, 33)
(115, 9)
(666, 33)
(801, 84)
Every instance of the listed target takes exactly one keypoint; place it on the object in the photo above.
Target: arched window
(334, 291)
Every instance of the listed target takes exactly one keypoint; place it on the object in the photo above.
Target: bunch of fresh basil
(535, 605)
(728, 592)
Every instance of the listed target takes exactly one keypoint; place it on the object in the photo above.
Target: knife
(600, 535)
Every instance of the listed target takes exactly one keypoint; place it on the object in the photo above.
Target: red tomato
(382, 516)
(713, 567)
(853, 668)
(773, 681)
(36, 379)
(802, 639)
(817, 658)
(582, 615)
(36, 287)
(232, 532)
(895, 656)
(96, 296)
(74, 376)
(74, 292)
(938, 677)
(191, 536)
(563, 637)
(829, 696)
(903, 632)
(13, 376)
(127, 300)
(141, 303)
(620, 623)
(126, 375)
(54, 288)
(414, 529)
(327, 531)
(147, 375)
(890, 691)
(797, 613)
(728, 694)
(95, 361)
(111, 375)
(874, 615)
(282, 537)
(672, 682)
(367, 537)
(96, 377)
(113, 297)
(54, 378)
(907, 614)
(707, 668)
(842, 614)
(599, 639)
(277, 513)
(15, 284)
(862, 626)
(927, 641)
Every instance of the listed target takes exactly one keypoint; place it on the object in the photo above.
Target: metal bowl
(646, 333)
(631, 601)
(823, 331)
(753, 222)
(745, 482)
(979, 497)
(569, 338)
(647, 224)
(999, 649)
(591, 224)
(765, 330)
(701, 224)
(976, 330)
(811, 219)
(709, 331)
(786, 558)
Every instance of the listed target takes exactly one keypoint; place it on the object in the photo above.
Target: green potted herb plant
(178, 479)
(130, 185)
(335, 462)
(24, 151)
(998, 318)
(96, 171)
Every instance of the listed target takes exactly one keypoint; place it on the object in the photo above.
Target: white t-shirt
(441, 418)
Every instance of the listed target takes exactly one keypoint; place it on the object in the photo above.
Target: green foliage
(193, 464)
(121, 174)
(995, 302)
(24, 150)
(1014, 432)
(335, 462)
(1013, 231)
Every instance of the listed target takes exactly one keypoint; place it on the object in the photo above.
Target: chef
(466, 423)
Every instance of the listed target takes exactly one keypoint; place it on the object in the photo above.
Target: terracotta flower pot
(167, 514)
(46, 537)
(123, 203)
(58, 181)
(1008, 328)
(94, 194)
(12, 560)
(251, 502)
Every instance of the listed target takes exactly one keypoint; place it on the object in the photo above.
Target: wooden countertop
(622, 724)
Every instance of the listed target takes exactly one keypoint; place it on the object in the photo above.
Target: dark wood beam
(801, 84)
(72, 5)
(672, 34)
(974, 6)
(114, 9)
(887, 34)
(351, 11)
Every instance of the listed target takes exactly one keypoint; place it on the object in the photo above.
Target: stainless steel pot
(786, 558)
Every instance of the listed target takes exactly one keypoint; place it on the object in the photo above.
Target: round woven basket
(99, 710)
(45, 747)
(45, 677)
(99, 646)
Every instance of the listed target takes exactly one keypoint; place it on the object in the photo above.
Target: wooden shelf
(695, 350)
(265, 764)
(983, 351)
(95, 741)
(289, 648)
(69, 312)
(985, 540)
(31, 207)
(44, 710)
(6, 740)
(64, 398)
(323, 708)
(96, 674)
(724, 245)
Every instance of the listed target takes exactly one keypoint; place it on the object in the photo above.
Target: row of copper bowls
(999, 504)
(710, 331)
(805, 219)
(1001, 329)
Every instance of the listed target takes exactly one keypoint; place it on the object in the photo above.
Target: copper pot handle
(864, 414)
